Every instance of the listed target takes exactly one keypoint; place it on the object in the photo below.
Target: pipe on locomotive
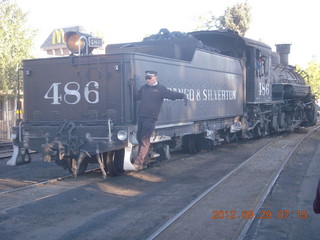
(283, 50)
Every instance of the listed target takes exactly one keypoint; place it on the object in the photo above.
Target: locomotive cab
(255, 57)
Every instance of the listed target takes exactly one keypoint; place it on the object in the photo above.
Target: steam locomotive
(81, 108)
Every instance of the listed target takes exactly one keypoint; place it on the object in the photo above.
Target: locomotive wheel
(265, 130)
(282, 120)
(71, 162)
(114, 162)
(312, 116)
(257, 131)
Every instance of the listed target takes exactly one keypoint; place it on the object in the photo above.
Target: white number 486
(71, 93)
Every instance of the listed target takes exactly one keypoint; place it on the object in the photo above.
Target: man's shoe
(137, 166)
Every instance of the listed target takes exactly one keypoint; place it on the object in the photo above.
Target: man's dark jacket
(151, 99)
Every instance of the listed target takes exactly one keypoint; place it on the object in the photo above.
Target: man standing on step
(151, 96)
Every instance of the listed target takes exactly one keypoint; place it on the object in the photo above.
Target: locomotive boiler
(81, 108)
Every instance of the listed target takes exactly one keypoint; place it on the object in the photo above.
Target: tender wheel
(227, 137)
(235, 136)
(161, 149)
(189, 144)
(162, 156)
(114, 162)
(71, 163)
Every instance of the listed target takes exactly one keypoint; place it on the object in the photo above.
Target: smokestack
(283, 50)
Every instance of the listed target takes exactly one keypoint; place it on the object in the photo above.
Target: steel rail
(265, 195)
(5, 149)
(204, 193)
(54, 180)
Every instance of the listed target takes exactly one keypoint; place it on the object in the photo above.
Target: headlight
(77, 42)
(122, 135)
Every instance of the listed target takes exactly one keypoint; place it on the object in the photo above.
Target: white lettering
(223, 94)
(204, 93)
(56, 97)
(72, 96)
(72, 93)
(93, 92)
(264, 89)
(208, 94)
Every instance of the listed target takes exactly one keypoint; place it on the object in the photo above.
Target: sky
(273, 21)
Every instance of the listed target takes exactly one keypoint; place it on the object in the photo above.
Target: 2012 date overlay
(262, 214)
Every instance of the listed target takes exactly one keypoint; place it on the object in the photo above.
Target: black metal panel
(213, 83)
(87, 88)
(258, 75)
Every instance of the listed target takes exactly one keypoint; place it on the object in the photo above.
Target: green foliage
(313, 71)
(205, 22)
(15, 45)
(236, 18)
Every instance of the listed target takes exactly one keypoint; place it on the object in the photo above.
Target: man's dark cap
(151, 73)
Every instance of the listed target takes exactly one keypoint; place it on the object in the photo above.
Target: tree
(15, 45)
(236, 18)
(313, 80)
(205, 22)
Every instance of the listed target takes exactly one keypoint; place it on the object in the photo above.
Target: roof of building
(56, 37)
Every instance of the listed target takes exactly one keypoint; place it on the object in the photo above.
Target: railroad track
(33, 192)
(180, 222)
(161, 222)
(5, 149)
